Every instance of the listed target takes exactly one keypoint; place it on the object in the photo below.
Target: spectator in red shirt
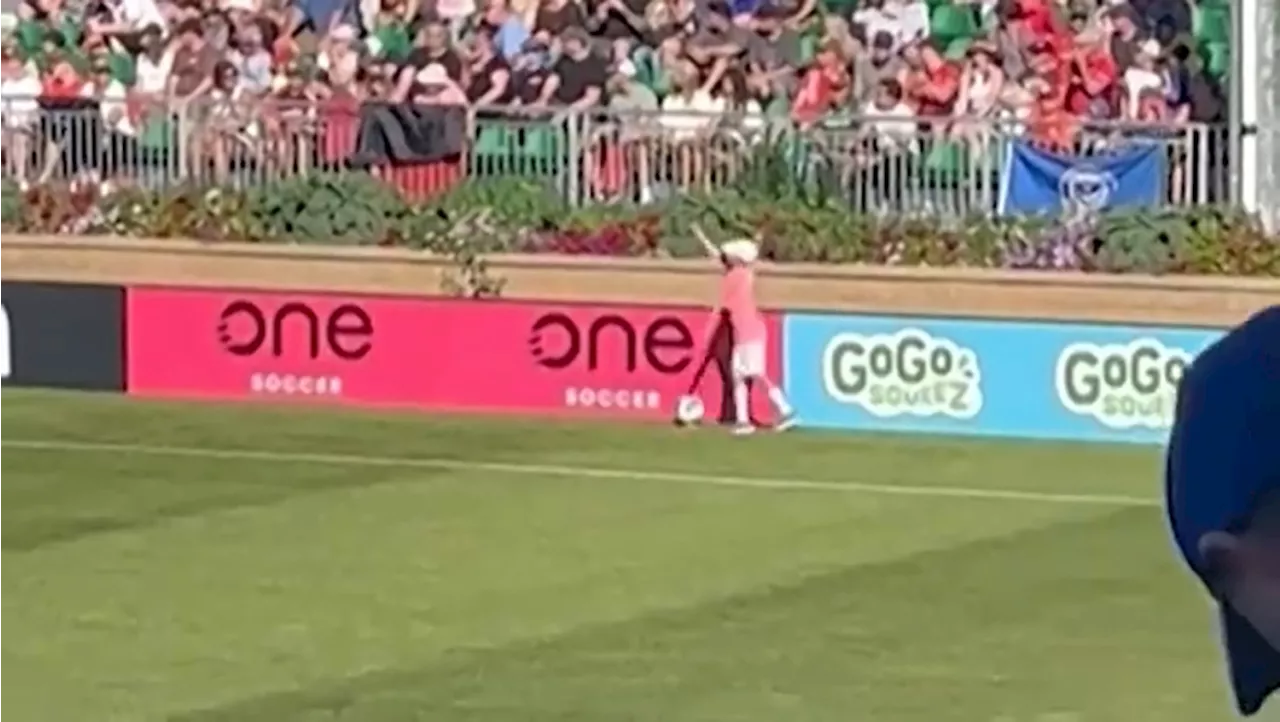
(822, 86)
(1036, 16)
(1032, 20)
(1047, 61)
(1050, 125)
(1093, 75)
(61, 83)
(931, 82)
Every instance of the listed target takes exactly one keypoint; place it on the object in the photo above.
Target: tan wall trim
(1207, 301)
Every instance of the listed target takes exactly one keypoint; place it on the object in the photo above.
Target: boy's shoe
(786, 422)
(744, 430)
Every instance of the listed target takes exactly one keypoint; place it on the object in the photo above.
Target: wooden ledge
(1030, 295)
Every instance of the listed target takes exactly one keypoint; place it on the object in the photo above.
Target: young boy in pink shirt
(738, 297)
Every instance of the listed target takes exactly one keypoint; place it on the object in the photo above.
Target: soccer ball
(689, 410)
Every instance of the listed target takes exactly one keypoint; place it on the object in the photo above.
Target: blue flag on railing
(1039, 182)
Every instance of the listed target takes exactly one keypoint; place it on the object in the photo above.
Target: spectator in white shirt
(112, 101)
(116, 150)
(912, 18)
(155, 63)
(690, 111)
(339, 57)
(890, 120)
(252, 60)
(19, 108)
(905, 20)
(20, 88)
(875, 20)
(129, 17)
(1142, 77)
(690, 114)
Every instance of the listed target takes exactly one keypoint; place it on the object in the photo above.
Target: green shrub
(798, 222)
(10, 204)
(346, 209)
(513, 201)
(1207, 240)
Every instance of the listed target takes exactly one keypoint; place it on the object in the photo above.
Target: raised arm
(711, 248)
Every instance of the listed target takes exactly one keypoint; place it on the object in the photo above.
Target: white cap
(343, 33)
(743, 250)
(433, 74)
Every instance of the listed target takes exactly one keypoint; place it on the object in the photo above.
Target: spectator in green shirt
(42, 20)
(390, 39)
(627, 94)
(99, 53)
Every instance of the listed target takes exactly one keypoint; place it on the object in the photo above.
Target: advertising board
(62, 335)
(1019, 379)
(496, 356)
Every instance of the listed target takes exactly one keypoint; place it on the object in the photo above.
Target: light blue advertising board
(1031, 380)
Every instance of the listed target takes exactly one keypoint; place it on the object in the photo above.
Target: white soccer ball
(689, 410)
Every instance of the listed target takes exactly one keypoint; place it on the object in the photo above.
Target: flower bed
(521, 215)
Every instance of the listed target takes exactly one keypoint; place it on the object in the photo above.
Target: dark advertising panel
(62, 335)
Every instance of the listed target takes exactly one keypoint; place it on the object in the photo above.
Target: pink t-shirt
(738, 297)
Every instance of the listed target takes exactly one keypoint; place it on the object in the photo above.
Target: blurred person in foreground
(1223, 495)
(738, 298)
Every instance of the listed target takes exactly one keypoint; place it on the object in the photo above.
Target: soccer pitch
(195, 563)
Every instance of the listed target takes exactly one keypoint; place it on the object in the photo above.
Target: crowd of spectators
(1048, 65)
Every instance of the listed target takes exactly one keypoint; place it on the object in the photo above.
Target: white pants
(748, 360)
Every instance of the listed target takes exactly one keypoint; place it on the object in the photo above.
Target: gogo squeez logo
(908, 372)
(1134, 385)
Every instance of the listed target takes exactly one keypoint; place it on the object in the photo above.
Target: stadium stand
(634, 94)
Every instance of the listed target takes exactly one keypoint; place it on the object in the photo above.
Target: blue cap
(1224, 455)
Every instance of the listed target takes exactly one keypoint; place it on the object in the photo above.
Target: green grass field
(250, 564)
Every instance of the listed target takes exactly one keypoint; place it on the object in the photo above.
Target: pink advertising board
(495, 356)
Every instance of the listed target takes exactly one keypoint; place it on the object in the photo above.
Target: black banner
(406, 134)
(62, 335)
